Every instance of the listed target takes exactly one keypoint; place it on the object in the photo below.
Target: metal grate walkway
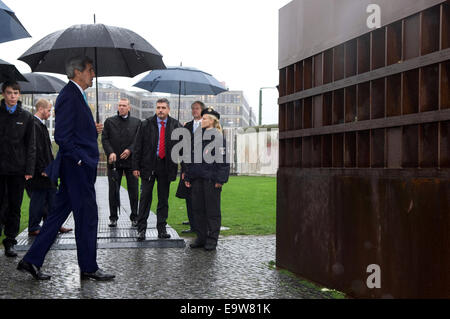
(123, 236)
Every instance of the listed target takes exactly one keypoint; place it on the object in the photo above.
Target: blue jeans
(41, 203)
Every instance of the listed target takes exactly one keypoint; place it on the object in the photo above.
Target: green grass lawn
(248, 206)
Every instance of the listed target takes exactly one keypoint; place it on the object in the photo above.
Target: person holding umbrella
(152, 162)
(76, 166)
(206, 180)
(17, 160)
(118, 142)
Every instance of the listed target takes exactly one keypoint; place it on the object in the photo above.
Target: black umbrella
(8, 72)
(41, 84)
(10, 27)
(182, 81)
(116, 51)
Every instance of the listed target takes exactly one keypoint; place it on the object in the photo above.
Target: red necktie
(162, 141)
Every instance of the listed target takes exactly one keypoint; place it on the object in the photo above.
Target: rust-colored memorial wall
(364, 175)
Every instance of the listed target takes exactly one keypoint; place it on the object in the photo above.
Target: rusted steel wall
(333, 224)
(364, 175)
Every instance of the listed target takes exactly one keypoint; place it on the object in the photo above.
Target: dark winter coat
(182, 190)
(17, 141)
(118, 135)
(146, 144)
(44, 157)
(215, 172)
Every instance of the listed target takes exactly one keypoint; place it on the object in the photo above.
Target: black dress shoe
(134, 223)
(113, 223)
(197, 244)
(99, 275)
(163, 235)
(32, 270)
(185, 223)
(10, 252)
(141, 236)
(210, 247)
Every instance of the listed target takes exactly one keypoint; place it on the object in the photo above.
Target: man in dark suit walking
(152, 162)
(183, 192)
(76, 166)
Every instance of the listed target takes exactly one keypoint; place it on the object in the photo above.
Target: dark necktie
(162, 141)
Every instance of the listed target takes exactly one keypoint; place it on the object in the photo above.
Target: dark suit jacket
(75, 131)
(182, 190)
(44, 157)
(146, 143)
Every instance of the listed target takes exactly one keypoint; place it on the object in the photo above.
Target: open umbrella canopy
(181, 80)
(115, 52)
(120, 52)
(10, 26)
(8, 72)
(40, 84)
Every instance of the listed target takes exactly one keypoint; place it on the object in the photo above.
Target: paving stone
(237, 269)
(122, 236)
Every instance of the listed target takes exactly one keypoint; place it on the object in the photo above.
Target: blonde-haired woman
(206, 180)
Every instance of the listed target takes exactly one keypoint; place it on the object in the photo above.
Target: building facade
(232, 105)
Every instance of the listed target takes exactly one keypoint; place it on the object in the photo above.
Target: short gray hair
(202, 105)
(163, 100)
(124, 99)
(77, 63)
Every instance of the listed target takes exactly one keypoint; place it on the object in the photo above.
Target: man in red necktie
(152, 162)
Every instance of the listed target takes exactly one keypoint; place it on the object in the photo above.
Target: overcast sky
(234, 40)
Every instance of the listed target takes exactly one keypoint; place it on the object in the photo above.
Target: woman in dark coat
(206, 180)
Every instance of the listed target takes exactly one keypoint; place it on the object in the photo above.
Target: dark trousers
(206, 210)
(133, 194)
(14, 187)
(162, 210)
(41, 203)
(76, 193)
(190, 214)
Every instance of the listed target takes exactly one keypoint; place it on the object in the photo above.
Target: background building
(232, 105)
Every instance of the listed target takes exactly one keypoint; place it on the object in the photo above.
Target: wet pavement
(122, 236)
(157, 269)
(238, 269)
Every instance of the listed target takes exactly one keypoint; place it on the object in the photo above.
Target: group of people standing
(138, 149)
(143, 150)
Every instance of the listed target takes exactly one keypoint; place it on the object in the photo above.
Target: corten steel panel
(390, 205)
(332, 224)
(335, 22)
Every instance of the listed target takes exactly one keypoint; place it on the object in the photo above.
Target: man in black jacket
(42, 189)
(118, 137)
(152, 162)
(17, 160)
